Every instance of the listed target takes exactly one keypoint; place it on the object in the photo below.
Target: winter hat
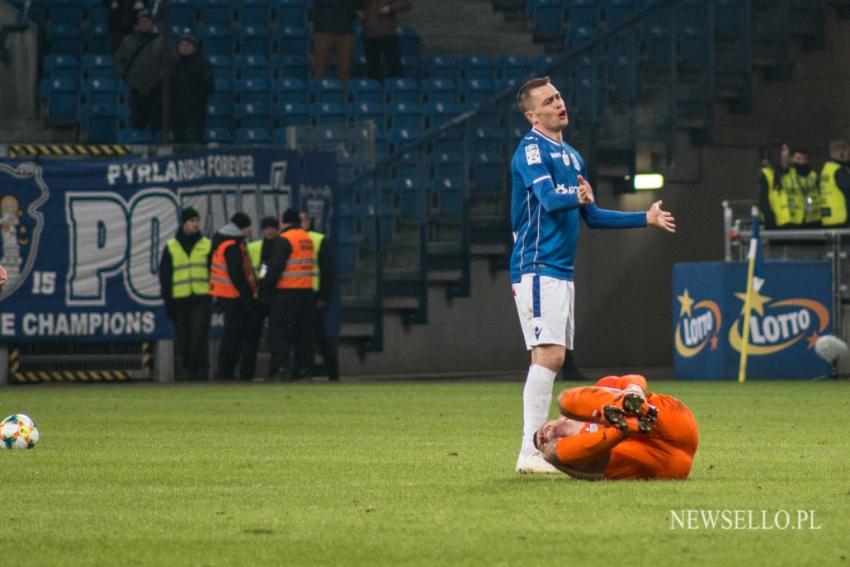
(241, 220)
(269, 222)
(291, 216)
(189, 213)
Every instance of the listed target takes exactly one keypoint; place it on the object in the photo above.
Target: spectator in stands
(259, 251)
(142, 62)
(184, 280)
(191, 86)
(233, 285)
(380, 38)
(835, 185)
(324, 280)
(773, 198)
(122, 16)
(804, 176)
(333, 32)
(287, 291)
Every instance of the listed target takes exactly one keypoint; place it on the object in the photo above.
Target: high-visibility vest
(317, 238)
(255, 253)
(298, 273)
(190, 274)
(834, 204)
(793, 190)
(777, 197)
(220, 282)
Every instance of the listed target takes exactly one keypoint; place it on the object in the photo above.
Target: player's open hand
(660, 218)
(3, 275)
(585, 192)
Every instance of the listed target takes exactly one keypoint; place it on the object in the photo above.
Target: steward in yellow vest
(835, 185)
(184, 286)
(772, 196)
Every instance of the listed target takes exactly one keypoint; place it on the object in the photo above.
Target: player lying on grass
(616, 430)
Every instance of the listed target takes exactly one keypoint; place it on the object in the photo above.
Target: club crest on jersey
(566, 159)
(532, 154)
(21, 222)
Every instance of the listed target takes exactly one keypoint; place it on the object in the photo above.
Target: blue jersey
(545, 210)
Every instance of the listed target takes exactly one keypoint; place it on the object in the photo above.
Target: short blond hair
(523, 97)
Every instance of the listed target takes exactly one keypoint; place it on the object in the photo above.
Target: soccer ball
(18, 431)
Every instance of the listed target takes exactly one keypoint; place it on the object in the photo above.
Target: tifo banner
(81, 241)
(791, 308)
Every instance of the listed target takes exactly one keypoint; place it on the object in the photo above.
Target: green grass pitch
(403, 473)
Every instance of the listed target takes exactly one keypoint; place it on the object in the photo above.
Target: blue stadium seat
(487, 139)
(363, 111)
(449, 193)
(488, 172)
(217, 39)
(99, 92)
(326, 90)
(253, 40)
(411, 67)
(439, 90)
(289, 90)
(216, 12)
(255, 13)
(409, 42)
(327, 113)
(95, 13)
(617, 11)
(583, 13)
(291, 40)
(411, 198)
(438, 113)
(222, 65)
(219, 115)
(286, 66)
(728, 17)
(400, 139)
(139, 137)
(182, 13)
(252, 115)
(252, 66)
(447, 164)
(95, 38)
(252, 90)
(63, 38)
(546, 20)
(123, 114)
(503, 85)
(61, 66)
(578, 36)
(68, 12)
(290, 13)
(280, 136)
(222, 90)
(441, 67)
(514, 67)
(542, 63)
(99, 122)
(290, 114)
(402, 91)
(250, 136)
(403, 116)
(477, 67)
(477, 91)
(218, 136)
(328, 137)
(97, 66)
(364, 90)
(62, 96)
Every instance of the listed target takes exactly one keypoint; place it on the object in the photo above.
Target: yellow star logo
(813, 339)
(758, 301)
(686, 303)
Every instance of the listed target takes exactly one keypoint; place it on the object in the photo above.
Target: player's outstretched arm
(660, 218)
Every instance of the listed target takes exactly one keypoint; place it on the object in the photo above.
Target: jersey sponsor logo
(555, 155)
(562, 189)
(698, 326)
(532, 154)
(777, 325)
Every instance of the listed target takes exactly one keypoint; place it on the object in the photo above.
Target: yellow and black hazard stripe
(54, 150)
(71, 376)
(14, 359)
(147, 357)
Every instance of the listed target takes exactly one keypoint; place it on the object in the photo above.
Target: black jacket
(191, 87)
(335, 16)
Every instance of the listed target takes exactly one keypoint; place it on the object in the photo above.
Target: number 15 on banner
(43, 283)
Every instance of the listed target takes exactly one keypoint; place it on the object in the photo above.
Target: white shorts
(546, 308)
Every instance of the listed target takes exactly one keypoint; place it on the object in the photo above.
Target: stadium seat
(402, 91)
(123, 115)
(409, 42)
(218, 136)
(98, 67)
(99, 92)
(94, 13)
(477, 67)
(583, 13)
(252, 66)
(95, 38)
(326, 113)
(289, 67)
(61, 66)
(252, 115)
(400, 139)
(255, 13)
(410, 67)
(131, 136)
(217, 39)
(364, 111)
(68, 12)
(252, 90)
(542, 63)
(488, 172)
(411, 198)
(222, 65)
(290, 40)
(329, 137)
(728, 17)
(250, 136)
(326, 90)
(578, 36)
(449, 194)
(438, 113)
(617, 11)
(477, 91)
(64, 38)
(441, 67)
(514, 67)
(364, 90)
(445, 164)
(403, 116)
(222, 90)
(219, 115)
(253, 40)
(546, 20)
(182, 13)
(439, 90)
(487, 139)
(290, 13)
(216, 12)
(289, 90)
(99, 122)
(290, 114)
(62, 98)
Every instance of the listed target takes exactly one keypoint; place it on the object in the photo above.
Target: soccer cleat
(534, 463)
(616, 417)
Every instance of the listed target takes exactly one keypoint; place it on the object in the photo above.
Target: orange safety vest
(298, 273)
(220, 284)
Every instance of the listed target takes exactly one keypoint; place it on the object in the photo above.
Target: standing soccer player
(549, 193)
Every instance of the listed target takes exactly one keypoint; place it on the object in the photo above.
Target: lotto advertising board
(81, 240)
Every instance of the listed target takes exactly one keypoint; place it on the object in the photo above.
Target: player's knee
(550, 356)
